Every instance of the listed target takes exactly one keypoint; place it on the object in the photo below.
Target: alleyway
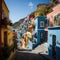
(28, 56)
(39, 53)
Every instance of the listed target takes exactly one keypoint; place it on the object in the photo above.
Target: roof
(5, 5)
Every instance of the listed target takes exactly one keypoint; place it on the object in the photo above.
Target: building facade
(54, 32)
(40, 33)
(54, 42)
(53, 17)
(6, 29)
(7, 25)
(0, 28)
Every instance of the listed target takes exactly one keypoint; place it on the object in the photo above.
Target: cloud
(30, 4)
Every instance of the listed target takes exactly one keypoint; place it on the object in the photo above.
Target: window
(5, 38)
(48, 22)
(41, 24)
(57, 19)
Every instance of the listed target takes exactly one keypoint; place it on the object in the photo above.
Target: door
(54, 46)
(41, 37)
(46, 36)
(5, 38)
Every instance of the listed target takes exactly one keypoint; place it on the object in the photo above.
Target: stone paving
(42, 49)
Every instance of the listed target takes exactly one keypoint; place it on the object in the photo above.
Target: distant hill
(17, 24)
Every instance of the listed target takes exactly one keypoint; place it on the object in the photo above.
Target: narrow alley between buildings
(39, 53)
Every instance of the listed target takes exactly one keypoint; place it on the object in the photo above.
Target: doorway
(5, 38)
(41, 37)
(54, 46)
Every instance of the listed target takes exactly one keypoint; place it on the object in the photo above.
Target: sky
(19, 9)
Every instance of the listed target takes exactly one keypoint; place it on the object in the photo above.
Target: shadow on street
(28, 56)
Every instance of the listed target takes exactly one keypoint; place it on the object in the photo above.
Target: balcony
(5, 22)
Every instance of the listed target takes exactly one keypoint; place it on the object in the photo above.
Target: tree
(43, 11)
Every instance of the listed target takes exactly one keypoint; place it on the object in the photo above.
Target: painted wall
(39, 29)
(41, 19)
(54, 31)
(8, 27)
(35, 33)
(38, 20)
(51, 15)
(10, 36)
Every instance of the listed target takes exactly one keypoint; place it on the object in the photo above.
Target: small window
(48, 22)
(57, 19)
(41, 24)
(2, 10)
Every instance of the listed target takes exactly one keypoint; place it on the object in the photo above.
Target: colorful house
(54, 32)
(6, 25)
(40, 33)
(52, 16)
(26, 31)
(54, 42)
(6, 28)
(36, 30)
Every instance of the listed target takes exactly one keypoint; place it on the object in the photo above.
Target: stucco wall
(54, 31)
(55, 11)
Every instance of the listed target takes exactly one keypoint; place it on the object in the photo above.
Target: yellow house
(6, 32)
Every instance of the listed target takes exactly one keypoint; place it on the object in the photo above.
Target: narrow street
(28, 56)
(37, 54)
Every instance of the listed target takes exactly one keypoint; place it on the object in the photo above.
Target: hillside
(16, 24)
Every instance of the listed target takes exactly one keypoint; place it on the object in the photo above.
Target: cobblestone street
(42, 49)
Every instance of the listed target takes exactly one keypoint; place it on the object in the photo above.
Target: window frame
(41, 22)
(55, 19)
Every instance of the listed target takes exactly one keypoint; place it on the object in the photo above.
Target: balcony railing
(5, 22)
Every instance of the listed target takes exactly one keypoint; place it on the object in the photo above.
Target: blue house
(40, 33)
(54, 42)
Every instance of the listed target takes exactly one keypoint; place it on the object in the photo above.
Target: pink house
(54, 16)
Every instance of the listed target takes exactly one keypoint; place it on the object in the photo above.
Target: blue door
(41, 37)
(54, 46)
